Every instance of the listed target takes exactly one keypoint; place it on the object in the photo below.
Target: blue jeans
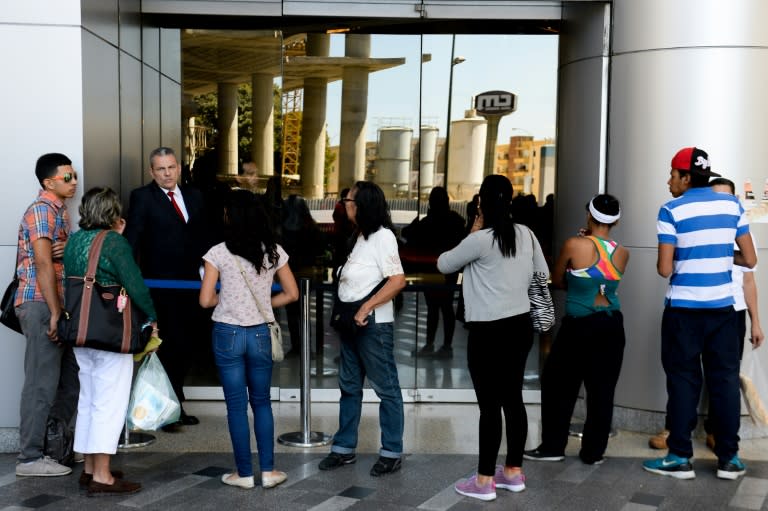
(244, 358)
(370, 353)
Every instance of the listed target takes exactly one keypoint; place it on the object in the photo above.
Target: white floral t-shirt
(369, 263)
(236, 305)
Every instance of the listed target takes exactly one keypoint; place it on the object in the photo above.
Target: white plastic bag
(153, 402)
(754, 386)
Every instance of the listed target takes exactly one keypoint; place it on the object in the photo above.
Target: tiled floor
(180, 471)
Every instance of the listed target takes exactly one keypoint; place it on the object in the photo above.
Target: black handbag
(8, 314)
(91, 317)
(343, 313)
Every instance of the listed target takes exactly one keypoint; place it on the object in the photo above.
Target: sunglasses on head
(66, 177)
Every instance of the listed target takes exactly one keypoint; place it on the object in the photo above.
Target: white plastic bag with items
(754, 386)
(153, 402)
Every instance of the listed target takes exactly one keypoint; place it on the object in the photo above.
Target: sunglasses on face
(66, 177)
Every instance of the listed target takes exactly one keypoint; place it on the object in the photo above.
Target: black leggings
(496, 356)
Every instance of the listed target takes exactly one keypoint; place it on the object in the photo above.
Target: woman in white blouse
(246, 264)
(370, 351)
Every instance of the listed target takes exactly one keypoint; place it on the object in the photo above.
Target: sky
(525, 65)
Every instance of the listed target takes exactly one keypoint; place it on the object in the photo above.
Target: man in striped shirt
(696, 232)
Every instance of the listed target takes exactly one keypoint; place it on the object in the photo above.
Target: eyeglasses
(66, 177)
(347, 200)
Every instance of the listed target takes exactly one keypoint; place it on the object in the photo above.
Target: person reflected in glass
(426, 238)
(498, 259)
(304, 242)
(369, 352)
(589, 347)
(246, 264)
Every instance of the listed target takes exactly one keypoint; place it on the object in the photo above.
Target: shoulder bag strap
(256, 301)
(88, 280)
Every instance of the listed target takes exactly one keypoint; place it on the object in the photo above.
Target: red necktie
(176, 207)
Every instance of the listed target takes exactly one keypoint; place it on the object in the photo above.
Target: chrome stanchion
(305, 437)
(134, 439)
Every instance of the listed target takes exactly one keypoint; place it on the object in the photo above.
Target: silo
(393, 163)
(428, 150)
(466, 156)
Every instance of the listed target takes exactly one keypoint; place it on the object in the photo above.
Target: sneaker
(711, 442)
(335, 460)
(598, 461)
(273, 480)
(538, 455)
(470, 488)
(44, 467)
(732, 469)
(671, 465)
(659, 440)
(233, 479)
(386, 465)
(445, 352)
(516, 483)
(79, 457)
(118, 487)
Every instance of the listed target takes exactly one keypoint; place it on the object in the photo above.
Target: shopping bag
(754, 386)
(153, 402)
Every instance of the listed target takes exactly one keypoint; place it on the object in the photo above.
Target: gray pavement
(182, 471)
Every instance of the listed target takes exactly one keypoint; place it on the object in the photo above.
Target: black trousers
(182, 324)
(692, 339)
(496, 355)
(587, 350)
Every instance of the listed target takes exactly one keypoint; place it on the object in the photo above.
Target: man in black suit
(166, 228)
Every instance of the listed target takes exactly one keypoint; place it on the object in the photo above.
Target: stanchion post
(305, 437)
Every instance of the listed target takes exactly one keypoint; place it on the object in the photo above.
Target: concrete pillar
(708, 68)
(354, 110)
(491, 137)
(227, 140)
(312, 163)
(262, 124)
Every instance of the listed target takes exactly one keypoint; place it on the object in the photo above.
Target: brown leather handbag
(91, 316)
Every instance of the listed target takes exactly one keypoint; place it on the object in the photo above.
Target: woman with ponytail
(498, 259)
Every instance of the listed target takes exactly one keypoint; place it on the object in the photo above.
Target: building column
(227, 139)
(262, 124)
(354, 110)
(312, 159)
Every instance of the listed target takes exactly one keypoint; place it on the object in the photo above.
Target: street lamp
(454, 61)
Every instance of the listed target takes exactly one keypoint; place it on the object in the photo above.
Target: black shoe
(445, 352)
(335, 460)
(538, 455)
(386, 466)
(188, 420)
(173, 427)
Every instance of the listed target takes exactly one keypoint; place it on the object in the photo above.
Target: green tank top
(600, 278)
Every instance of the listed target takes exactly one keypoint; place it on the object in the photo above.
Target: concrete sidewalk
(182, 470)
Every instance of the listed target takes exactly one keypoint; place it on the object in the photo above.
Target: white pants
(105, 387)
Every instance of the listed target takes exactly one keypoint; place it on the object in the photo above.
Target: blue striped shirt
(702, 225)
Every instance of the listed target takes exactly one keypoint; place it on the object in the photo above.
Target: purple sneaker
(470, 488)
(516, 483)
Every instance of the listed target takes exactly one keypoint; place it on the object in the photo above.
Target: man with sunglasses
(51, 385)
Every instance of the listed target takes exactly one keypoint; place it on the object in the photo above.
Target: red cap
(693, 159)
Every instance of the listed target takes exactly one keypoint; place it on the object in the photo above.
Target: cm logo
(496, 102)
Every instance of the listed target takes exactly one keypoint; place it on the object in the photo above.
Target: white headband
(602, 217)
